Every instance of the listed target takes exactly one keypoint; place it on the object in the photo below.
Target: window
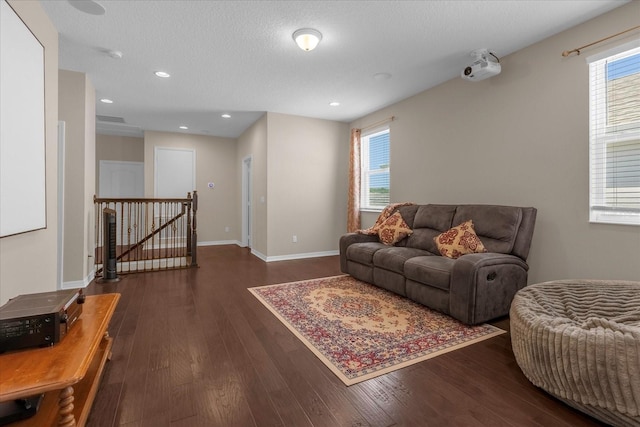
(375, 170)
(614, 136)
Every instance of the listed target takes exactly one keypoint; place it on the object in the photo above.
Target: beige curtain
(353, 208)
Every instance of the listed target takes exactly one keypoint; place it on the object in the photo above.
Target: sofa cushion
(438, 217)
(459, 240)
(393, 229)
(422, 238)
(363, 252)
(497, 226)
(408, 212)
(429, 221)
(431, 270)
(393, 258)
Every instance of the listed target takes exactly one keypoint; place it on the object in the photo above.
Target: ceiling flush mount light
(307, 38)
(184, 127)
(106, 101)
(334, 104)
(162, 74)
(88, 6)
(226, 116)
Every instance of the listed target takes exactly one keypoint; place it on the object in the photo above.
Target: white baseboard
(301, 256)
(260, 255)
(270, 258)
(80, 283)
(220, 242)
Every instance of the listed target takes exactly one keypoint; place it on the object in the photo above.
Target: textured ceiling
(238, 57)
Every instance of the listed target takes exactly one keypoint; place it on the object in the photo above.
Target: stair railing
(151, 234)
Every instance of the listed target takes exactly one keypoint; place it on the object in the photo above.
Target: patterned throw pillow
(393, 229)
(459, 240)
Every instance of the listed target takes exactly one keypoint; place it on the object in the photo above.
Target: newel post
(194, 240)
(188, 205)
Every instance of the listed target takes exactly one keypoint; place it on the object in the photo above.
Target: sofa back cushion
(496, 226)
(428, 222)
(502, 229)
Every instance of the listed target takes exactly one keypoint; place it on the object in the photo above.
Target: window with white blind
(375, 170)
(614, 135)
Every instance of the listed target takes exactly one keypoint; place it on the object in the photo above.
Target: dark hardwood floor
(195, 348)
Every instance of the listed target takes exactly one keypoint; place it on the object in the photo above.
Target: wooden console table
(68, 372)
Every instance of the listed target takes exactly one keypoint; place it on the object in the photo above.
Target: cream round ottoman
(579, 340)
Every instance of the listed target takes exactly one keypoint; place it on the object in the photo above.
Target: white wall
(520, 138)
(28, 262)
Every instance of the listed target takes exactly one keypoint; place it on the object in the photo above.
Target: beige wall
(299, 170)
(520, 138)
(307, 184)
(253, 142)
(76, 106)
(28, 262)
(215, 162)
(119, 148)
(89, 237)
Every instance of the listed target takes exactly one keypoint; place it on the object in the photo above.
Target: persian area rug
(361, 331)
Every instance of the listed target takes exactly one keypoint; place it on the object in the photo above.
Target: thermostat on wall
(211, 185)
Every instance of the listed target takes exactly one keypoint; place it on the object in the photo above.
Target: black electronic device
(38, 320)
(16, 410)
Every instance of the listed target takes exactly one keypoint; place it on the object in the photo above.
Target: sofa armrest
(348, 239)
(483, 285)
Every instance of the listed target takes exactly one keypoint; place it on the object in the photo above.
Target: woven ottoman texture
(579, 340)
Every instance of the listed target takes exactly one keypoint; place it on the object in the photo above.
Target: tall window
(614, 137)
(375, 170)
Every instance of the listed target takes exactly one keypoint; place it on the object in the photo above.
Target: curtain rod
(578, 49)
(378, 123)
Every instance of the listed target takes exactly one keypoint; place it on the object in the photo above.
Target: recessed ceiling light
(106, 101)
(88, 6)
(226, 116)
(115, 54)
(184, 127)
(382, 76)
(334, 104)
(162, 74)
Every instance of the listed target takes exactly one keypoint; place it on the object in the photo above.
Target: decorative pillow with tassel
(458, 241)
(393, 229)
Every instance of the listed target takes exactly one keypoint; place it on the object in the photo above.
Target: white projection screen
(22, 129)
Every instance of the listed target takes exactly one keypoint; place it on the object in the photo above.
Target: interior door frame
(246, 200)
(61, 153)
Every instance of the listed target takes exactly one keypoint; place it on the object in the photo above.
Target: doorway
(246, 201)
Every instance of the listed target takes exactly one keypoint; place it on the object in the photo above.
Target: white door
(175, 172)
(121, 180)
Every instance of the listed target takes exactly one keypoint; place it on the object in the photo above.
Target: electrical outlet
(226, 229)
(294, 239)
